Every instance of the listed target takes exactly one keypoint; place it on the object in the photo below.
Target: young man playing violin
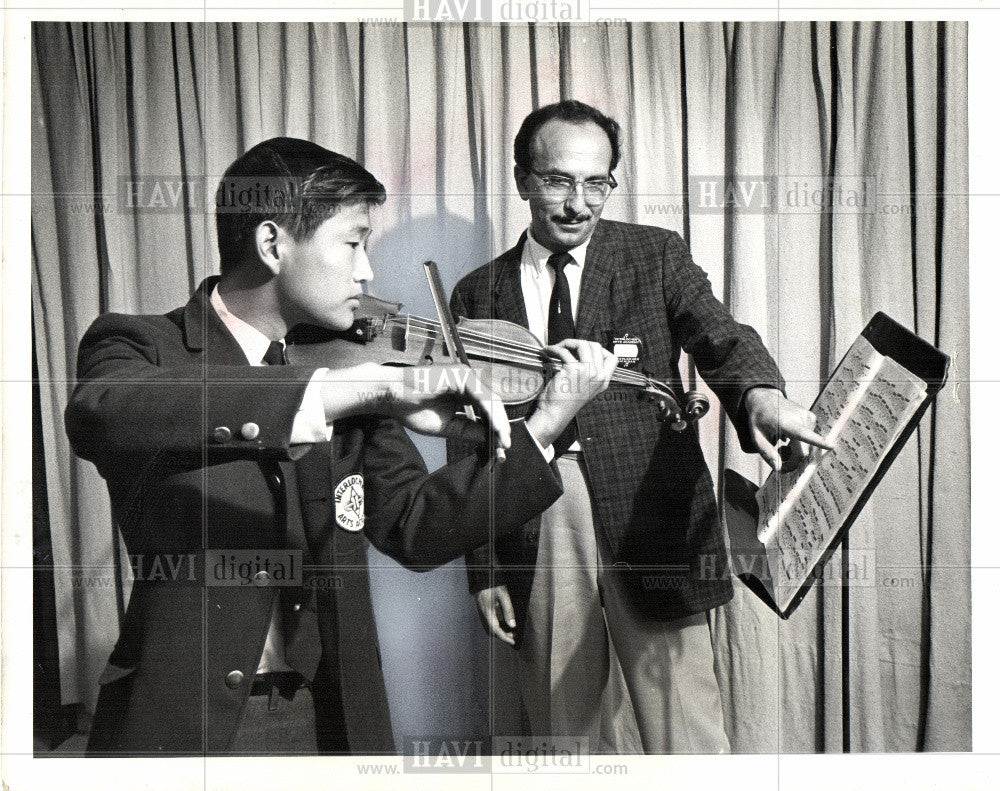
(617, 561)
(268, 478)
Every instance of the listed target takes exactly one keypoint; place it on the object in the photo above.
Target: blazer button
(261, 578)
(222, 434)
(297, 606)
(250, 431)
(234, 679)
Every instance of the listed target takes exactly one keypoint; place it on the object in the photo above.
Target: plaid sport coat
(651, 489)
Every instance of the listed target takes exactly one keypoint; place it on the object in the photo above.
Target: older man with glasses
(621, 571)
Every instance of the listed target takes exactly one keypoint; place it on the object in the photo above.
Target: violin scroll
(669, 406)
(695, 405)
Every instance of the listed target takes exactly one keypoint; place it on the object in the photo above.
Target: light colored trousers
(574, 650)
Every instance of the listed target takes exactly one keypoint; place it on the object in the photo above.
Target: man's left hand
(774, 419)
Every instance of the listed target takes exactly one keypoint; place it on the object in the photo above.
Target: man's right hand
(584, 369)
(497, 612)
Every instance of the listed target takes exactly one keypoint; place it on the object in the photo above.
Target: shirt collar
(538, 254)
(252, 341)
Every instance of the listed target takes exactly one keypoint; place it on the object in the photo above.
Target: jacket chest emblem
(349, 503)
(627, 348)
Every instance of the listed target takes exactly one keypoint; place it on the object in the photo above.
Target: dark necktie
(560, 305)
(561, 327)
(275, 354)
(300, 629)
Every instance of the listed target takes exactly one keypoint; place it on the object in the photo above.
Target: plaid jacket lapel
(596, 285)
(508, 298)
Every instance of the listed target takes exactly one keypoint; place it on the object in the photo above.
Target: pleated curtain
(432, 111)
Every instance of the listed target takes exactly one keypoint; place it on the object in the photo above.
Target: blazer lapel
(597, 283)
(508, 298)
(203, 329)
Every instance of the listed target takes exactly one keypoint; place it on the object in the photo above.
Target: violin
(508, 358)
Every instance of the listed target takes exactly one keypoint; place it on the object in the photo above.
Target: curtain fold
(810, 112)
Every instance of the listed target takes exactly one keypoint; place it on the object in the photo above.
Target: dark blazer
(194, 445)
(652, 491)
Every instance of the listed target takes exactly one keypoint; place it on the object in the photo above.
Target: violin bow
(449, 330)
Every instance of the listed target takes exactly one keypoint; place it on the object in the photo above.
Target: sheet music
(862, 410)
(832, 408)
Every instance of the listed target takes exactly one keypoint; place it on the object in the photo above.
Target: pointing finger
(808, 436)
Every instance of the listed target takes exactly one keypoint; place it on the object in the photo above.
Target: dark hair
(575, 113)
(293, 183)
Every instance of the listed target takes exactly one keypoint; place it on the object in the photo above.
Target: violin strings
(525, 352)
(464, 334)
(516, 352)
(503, 349)
(491, 347)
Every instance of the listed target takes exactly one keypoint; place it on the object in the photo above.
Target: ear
(521, 180)
(266, 238)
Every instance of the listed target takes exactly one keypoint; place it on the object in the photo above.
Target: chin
(568, 238)
(338, 321)
(342, 324)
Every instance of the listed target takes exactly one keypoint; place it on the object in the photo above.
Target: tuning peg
(695, 405)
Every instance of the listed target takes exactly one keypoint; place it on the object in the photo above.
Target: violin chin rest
(370, 307)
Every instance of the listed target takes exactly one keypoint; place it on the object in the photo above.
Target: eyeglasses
(559, 188)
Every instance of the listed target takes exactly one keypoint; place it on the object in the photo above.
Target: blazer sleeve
(140, 395)
(425, 520)
(730, 356)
